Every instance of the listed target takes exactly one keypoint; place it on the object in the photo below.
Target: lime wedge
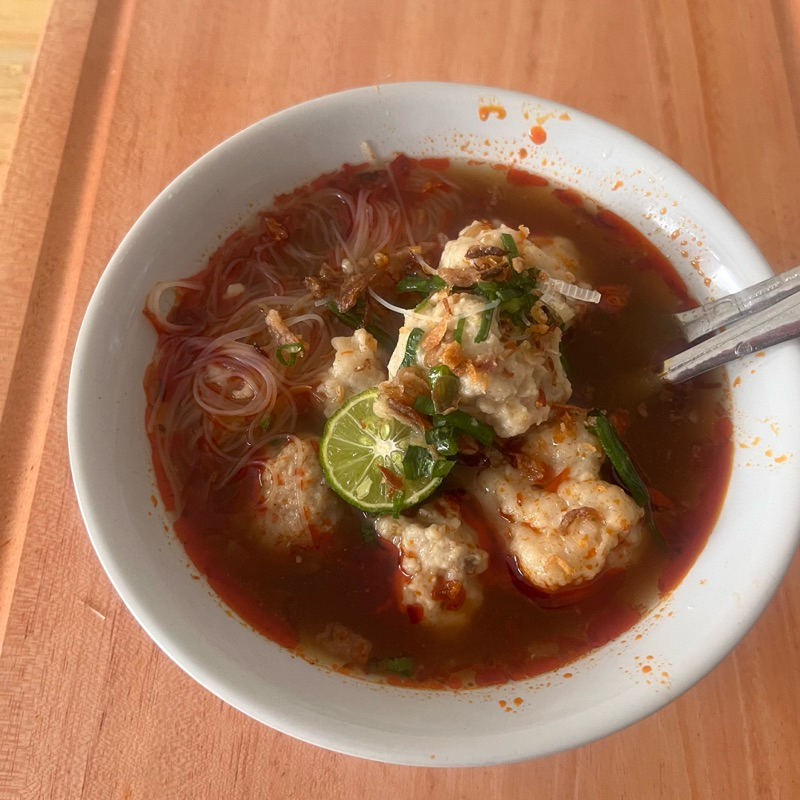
(355, 443)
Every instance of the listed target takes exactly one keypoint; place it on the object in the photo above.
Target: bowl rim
(182, 655)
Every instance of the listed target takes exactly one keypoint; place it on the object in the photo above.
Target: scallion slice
(415, 283)
(412, 343)
(486, 324)
(287, 353)
(600, 425)
(424, 405)
(443, 439)
(478, 430)
(416, 462)
(419, 463)
(511, 247)
(444, 388)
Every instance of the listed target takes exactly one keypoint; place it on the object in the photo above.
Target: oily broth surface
(679, 438)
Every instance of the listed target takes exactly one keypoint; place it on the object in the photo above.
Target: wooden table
(21, 24)
(125, 94)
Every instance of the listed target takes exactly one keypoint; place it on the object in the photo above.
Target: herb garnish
(511, 247)
(517, 295)
(459, 420)
(419, 463)
(459, 331)
(444, 388)
(423, 285)
(412, 343)
(287, 353)
(486, 324)
(599, 424)
(442, 437)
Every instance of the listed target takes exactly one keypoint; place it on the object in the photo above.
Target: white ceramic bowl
(721, 597)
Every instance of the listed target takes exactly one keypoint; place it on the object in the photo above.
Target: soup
(407, 424)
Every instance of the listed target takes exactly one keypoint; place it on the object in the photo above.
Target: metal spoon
(758, 317)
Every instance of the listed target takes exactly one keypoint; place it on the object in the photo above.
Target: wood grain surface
(21, 24)
(125, 94)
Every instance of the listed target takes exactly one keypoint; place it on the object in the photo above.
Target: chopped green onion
(442, 438)
(492, 290)
(479, 431)
(415, 283)
(288, 352)
(510, 245)
(400, 666)
(516, 295)
(517, 283)
(412, 343)
(459, 331)
(424, 285)
(514, 305)
(265, 422)
(564, 364)
(486, 324)
(419, 463)
(444, 388)
(424, 405)
(599, 424)
(487, 289)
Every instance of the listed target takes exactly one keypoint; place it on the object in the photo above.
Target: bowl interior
(693, 629)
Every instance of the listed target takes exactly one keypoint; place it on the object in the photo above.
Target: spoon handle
(710, 317)
(776, 323)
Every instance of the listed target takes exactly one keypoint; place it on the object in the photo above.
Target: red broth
(679, 438)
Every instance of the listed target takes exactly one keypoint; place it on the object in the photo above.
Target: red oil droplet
(538, 134)
(484, 112)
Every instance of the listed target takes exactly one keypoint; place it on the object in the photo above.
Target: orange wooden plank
(125, 95)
